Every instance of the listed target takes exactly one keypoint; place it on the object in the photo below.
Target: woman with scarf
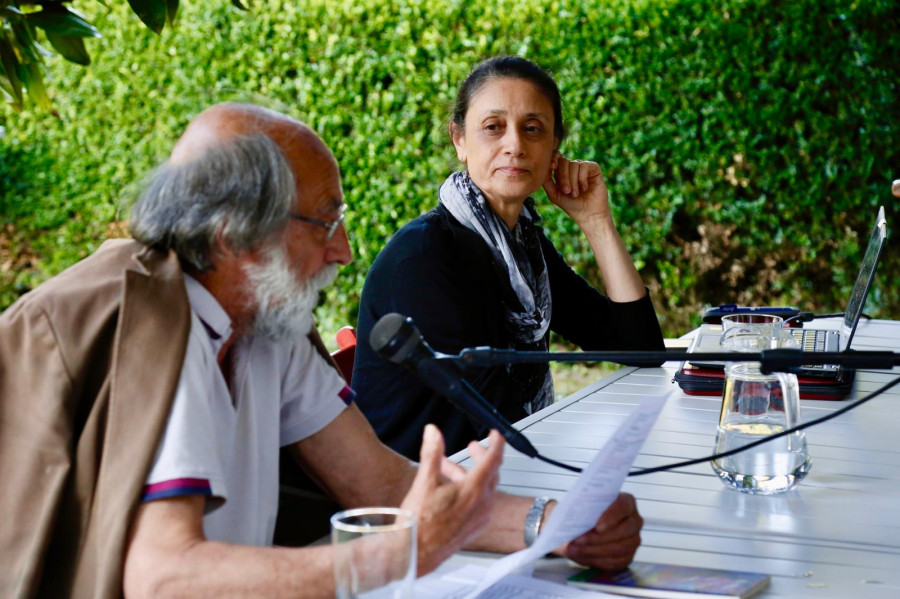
(478, 270)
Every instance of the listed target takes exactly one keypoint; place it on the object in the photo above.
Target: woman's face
(508, 141)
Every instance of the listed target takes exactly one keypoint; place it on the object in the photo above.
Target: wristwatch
(534, 519)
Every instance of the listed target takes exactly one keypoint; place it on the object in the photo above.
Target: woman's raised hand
(577, 186)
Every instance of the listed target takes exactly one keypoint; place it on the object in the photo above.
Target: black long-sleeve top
(442, 275)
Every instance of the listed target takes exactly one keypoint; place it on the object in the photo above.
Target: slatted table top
(836, 535)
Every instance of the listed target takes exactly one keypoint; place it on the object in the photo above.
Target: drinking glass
(374, 553)
(755, 405)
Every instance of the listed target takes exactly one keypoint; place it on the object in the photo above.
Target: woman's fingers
(568, 169)
(584, 173)
(573, 177)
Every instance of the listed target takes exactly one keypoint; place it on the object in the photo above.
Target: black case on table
(694, 380)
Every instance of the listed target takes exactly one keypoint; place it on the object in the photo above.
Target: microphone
(396, 338)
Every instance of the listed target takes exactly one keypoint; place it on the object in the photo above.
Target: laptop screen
(863, 280)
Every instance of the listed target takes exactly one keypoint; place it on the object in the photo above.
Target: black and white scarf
(520, 251)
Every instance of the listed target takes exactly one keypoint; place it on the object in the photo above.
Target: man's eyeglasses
(329, 225)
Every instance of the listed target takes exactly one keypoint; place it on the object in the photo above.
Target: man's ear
(458, 137)
(220, 246)
(222, 251)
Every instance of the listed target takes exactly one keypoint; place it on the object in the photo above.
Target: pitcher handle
(790, 393)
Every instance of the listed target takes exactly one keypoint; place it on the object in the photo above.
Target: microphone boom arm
(771, 360)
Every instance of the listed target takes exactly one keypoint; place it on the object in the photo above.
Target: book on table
(667, 581)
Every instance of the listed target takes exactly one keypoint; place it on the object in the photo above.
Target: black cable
(736, 450)
(560, 464)
(809, 316)
(783, 433)
(800, 317)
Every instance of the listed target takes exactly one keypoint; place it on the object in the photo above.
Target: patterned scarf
(519, 252)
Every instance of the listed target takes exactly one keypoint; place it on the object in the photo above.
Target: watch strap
(534, 519)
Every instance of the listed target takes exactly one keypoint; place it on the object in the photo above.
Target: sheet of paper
(457, 583)
(596, 488)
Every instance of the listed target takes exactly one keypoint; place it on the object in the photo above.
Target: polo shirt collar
(209, 311)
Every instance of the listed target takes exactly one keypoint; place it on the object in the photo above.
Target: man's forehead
(318, 180)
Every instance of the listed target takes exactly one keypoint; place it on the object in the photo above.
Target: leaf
(10, 65)
(11, 11)
(5, 85)
(24, 44)
(10, 99)
(71, 48)
(151, 12)
(171, 11)
(30, 66)
(33, 79)
(239, 4)
(62, 21)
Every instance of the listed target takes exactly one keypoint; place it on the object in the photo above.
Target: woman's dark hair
(514, 67)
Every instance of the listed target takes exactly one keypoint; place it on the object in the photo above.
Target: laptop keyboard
(810, 339)
(815, 340)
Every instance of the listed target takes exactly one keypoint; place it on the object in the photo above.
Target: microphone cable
(768, 438)
(737, 450)
(560, 464)
(810, 316)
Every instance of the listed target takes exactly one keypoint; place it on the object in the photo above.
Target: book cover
(665, 581)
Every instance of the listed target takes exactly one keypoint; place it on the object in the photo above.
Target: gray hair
(242, 189)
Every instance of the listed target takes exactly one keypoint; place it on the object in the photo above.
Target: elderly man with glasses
(146, 391)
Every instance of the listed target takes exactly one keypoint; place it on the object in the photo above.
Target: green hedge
(746, 144)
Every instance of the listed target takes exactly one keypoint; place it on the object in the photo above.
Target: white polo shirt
(227, 446)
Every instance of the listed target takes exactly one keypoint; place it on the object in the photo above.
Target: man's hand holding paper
(612, 542)
(593, 512)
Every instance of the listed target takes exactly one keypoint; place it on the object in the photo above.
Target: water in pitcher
(772, 467)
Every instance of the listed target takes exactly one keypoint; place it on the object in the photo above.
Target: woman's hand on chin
(577, 186)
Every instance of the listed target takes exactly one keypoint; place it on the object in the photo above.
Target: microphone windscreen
(385, 330)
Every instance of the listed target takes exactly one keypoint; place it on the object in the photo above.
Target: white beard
(284, 305)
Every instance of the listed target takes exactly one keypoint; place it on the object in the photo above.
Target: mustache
(325, 277)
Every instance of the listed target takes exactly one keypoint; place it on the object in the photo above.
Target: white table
(836, 535)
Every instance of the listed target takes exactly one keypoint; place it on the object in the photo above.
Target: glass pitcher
(755, 405)
(751, 332)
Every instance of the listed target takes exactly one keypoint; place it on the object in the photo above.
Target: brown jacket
(89, 363)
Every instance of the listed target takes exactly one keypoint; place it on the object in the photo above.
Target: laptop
(813, 339)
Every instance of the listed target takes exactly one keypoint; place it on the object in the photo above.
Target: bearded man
(146, 391)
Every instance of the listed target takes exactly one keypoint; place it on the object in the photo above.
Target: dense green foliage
(746, 144)
(21, 55)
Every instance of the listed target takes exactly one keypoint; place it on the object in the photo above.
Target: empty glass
(755, 405)
(374, 553)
